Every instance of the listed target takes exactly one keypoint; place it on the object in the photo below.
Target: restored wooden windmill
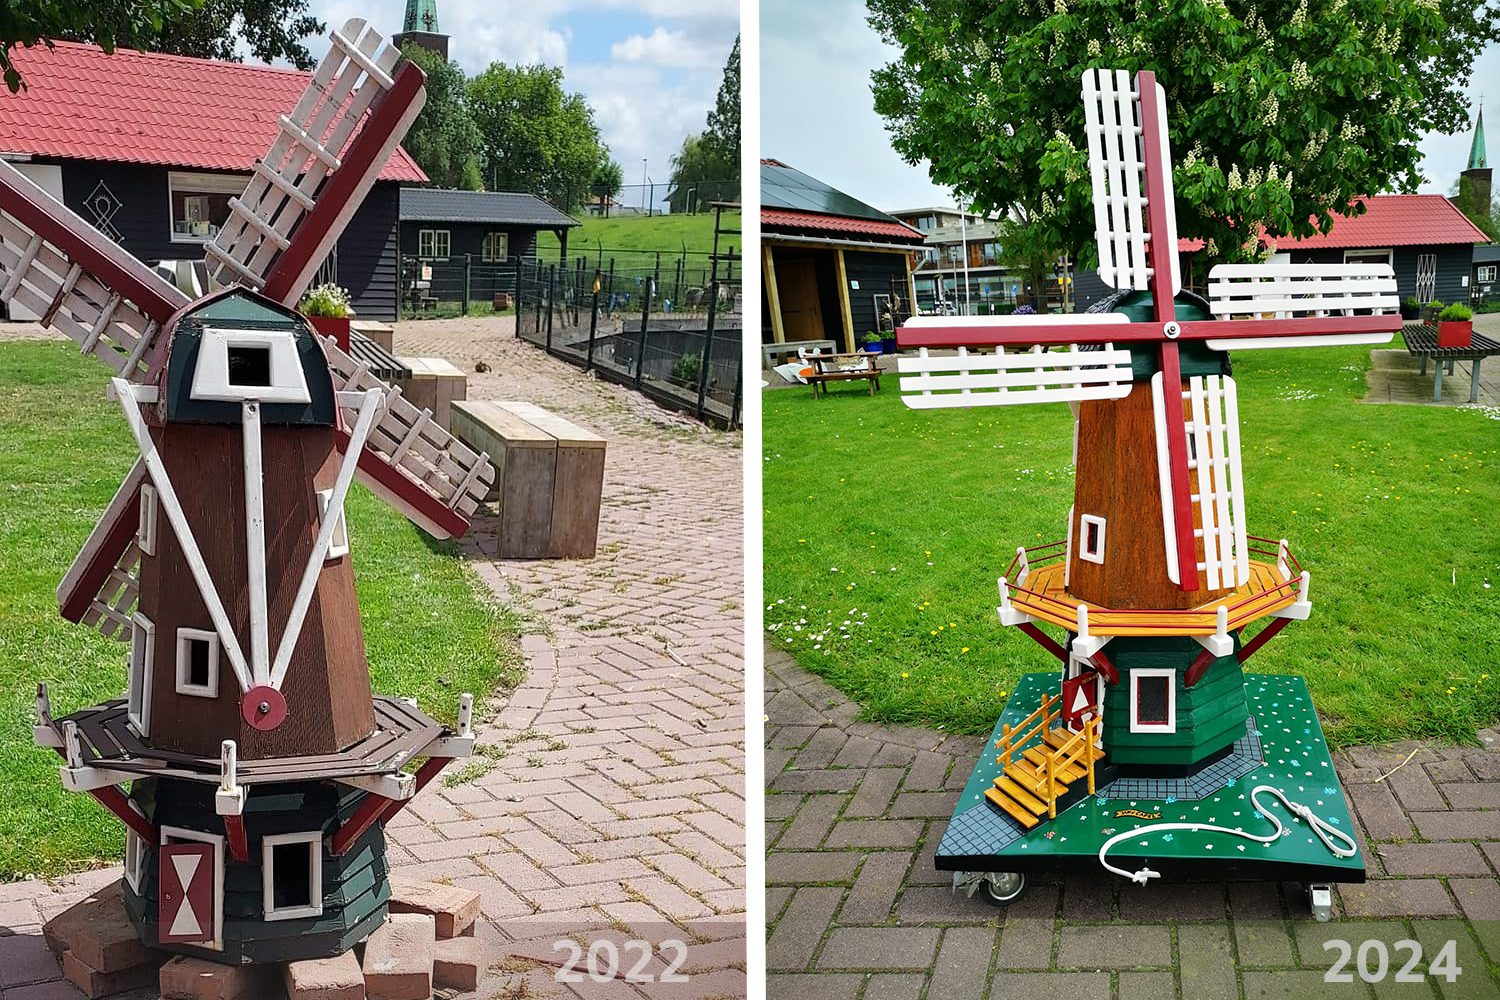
(260, 768)
(1156, 576)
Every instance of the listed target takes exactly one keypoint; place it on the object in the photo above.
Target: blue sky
(826, 48)
(650, 68)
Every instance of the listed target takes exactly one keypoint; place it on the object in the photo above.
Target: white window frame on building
(1136, 725)
(1091, 553)
(214, 377)
(145, 532)
(314, 842)
(338, 546)
(135, 853)
(1486, 272)
(185, 685)
(496, 247)
(180, 181)
(428, 244)
(138, 684)
(1367, 256)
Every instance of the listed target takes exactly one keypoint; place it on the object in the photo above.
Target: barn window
(433, 244)
(496, 247)
(292, 875)
(1153, 700)
(339, 545)
(1091, 538)
(199, 203)
(138, 685)
(1486, 273)
(145, 532)
(197, 663)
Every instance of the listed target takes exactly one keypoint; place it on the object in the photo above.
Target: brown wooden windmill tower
(260, 768)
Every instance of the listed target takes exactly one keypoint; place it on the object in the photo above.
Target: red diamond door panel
(187, 893)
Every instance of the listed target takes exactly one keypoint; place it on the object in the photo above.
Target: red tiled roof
(836, 223)
(1389, 220)
(139, 107)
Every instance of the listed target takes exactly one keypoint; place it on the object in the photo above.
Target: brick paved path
(854, 812)
(619, 799)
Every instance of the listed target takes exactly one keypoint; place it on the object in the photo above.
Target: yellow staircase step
(1065, 773)
(1057, 737)
(1026, 775)
(1021, 795)
(1016, 812)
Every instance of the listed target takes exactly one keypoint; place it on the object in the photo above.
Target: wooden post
(1005, 744)
(1051, 786)
(773, 297)
(844, 311)
(911, 288)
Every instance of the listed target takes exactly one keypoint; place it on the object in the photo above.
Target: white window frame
(145, 532)
(138, 683)
(231, 184)
(1084, 553)
(427, 244)
(184, 663)
(314, 840)
(1369, 251)
(135, 853)
(1486, 272)
(211, 375)
(338, 547)
(487, 252)
(178, 835)
(1137, 726)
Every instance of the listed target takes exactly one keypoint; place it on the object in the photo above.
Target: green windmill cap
(1476, 151)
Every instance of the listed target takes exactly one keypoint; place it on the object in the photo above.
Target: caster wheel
(1004, 888)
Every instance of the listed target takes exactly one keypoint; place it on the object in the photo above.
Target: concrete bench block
(434, 385)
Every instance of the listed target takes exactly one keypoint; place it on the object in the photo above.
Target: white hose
(1322, 829)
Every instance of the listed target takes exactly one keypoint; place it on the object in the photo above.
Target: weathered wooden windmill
(1156, 577)
(260, 768)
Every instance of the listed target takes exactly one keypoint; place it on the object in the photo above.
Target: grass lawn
(667, 233)
(63, 451)
(898, 522)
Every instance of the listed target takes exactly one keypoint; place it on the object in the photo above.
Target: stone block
(98, 983)
(337, 978)
(99, 934)
(453, 909)
(459, 963)
(398, 958)
(185, 978)
(434, 385)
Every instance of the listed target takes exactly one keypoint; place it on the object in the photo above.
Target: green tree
(107, 23)
(707, 167)
(609, 178)
(444, 139)
(1024, 251)
(1469, 198)
(1277, 116)
(217, 29)
(535, 137)
(723, 132)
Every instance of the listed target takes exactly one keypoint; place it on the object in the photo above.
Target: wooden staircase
(1034, 779)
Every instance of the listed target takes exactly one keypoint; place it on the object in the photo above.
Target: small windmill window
(292, 875)
(135, 854)
(339, 545)
(197, 663)
(235, 366)
(1091, 538)
(145, 532)
(1153, 701)
(138, 689)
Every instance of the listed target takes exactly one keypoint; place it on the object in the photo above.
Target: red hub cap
(263, 708)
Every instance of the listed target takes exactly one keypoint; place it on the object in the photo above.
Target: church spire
(1477, 159)
(421, 15)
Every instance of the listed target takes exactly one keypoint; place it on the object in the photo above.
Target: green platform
(1283, 747)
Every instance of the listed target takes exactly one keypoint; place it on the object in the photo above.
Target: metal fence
(673, 336)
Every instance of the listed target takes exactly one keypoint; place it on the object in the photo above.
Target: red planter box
(1455, 333)
(338, 329)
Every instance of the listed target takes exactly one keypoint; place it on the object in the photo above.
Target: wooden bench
(1421, 342)
(790, 349)
(434, 384)
(826, 368)
(549, 476)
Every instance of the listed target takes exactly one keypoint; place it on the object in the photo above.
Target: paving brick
(927, 772)
(1147, 986)
(838, 986)
(1397, 898)
(99, 935)
(459, 963)
(1024, 944)
(1445, 771)
(921, 904)
(1254, 901)
(58, 989)
(937, 805)
(1415, 790)
(1478, 897)
(337, 978)
(782, 806)
(1434, 936)
(1470, 794)
(398, 958)
(1458, 825)
(1381, 814)
(810, 866)
(185, 978)
(874, 892)
(879, 948)
(821, 749)
(1206, 962)
(1263, 943)
(453, 909)
(896, 986)
(98, 983)
(1433, 859)
(800, 930)
(874, 793)
(812, 822)
(1299, 986)
(875, 833)
(963, 963)
(25, 959)
(1114, 946)
(1029, 986)
(1182, 901)
(1088, 899)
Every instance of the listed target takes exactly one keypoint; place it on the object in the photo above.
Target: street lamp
(644, 182)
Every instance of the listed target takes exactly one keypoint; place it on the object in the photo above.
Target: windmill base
(1283, 747)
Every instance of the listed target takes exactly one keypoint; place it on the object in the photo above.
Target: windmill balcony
(1034, 587)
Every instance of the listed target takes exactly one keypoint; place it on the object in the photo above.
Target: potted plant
(1430, 311)
(1411, 308)
(327, 309)
(872, 342)
(888, 342)
(1455, 326)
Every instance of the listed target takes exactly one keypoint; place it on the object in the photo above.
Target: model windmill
(260, 768)
(1156, 576)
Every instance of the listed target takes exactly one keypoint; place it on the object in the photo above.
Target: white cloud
(639, 115)
(666, 48)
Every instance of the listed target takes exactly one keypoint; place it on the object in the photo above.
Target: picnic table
(1421, 342)
(832, 368)
(791, 347)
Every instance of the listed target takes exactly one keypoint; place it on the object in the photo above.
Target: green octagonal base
(1283, 747)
